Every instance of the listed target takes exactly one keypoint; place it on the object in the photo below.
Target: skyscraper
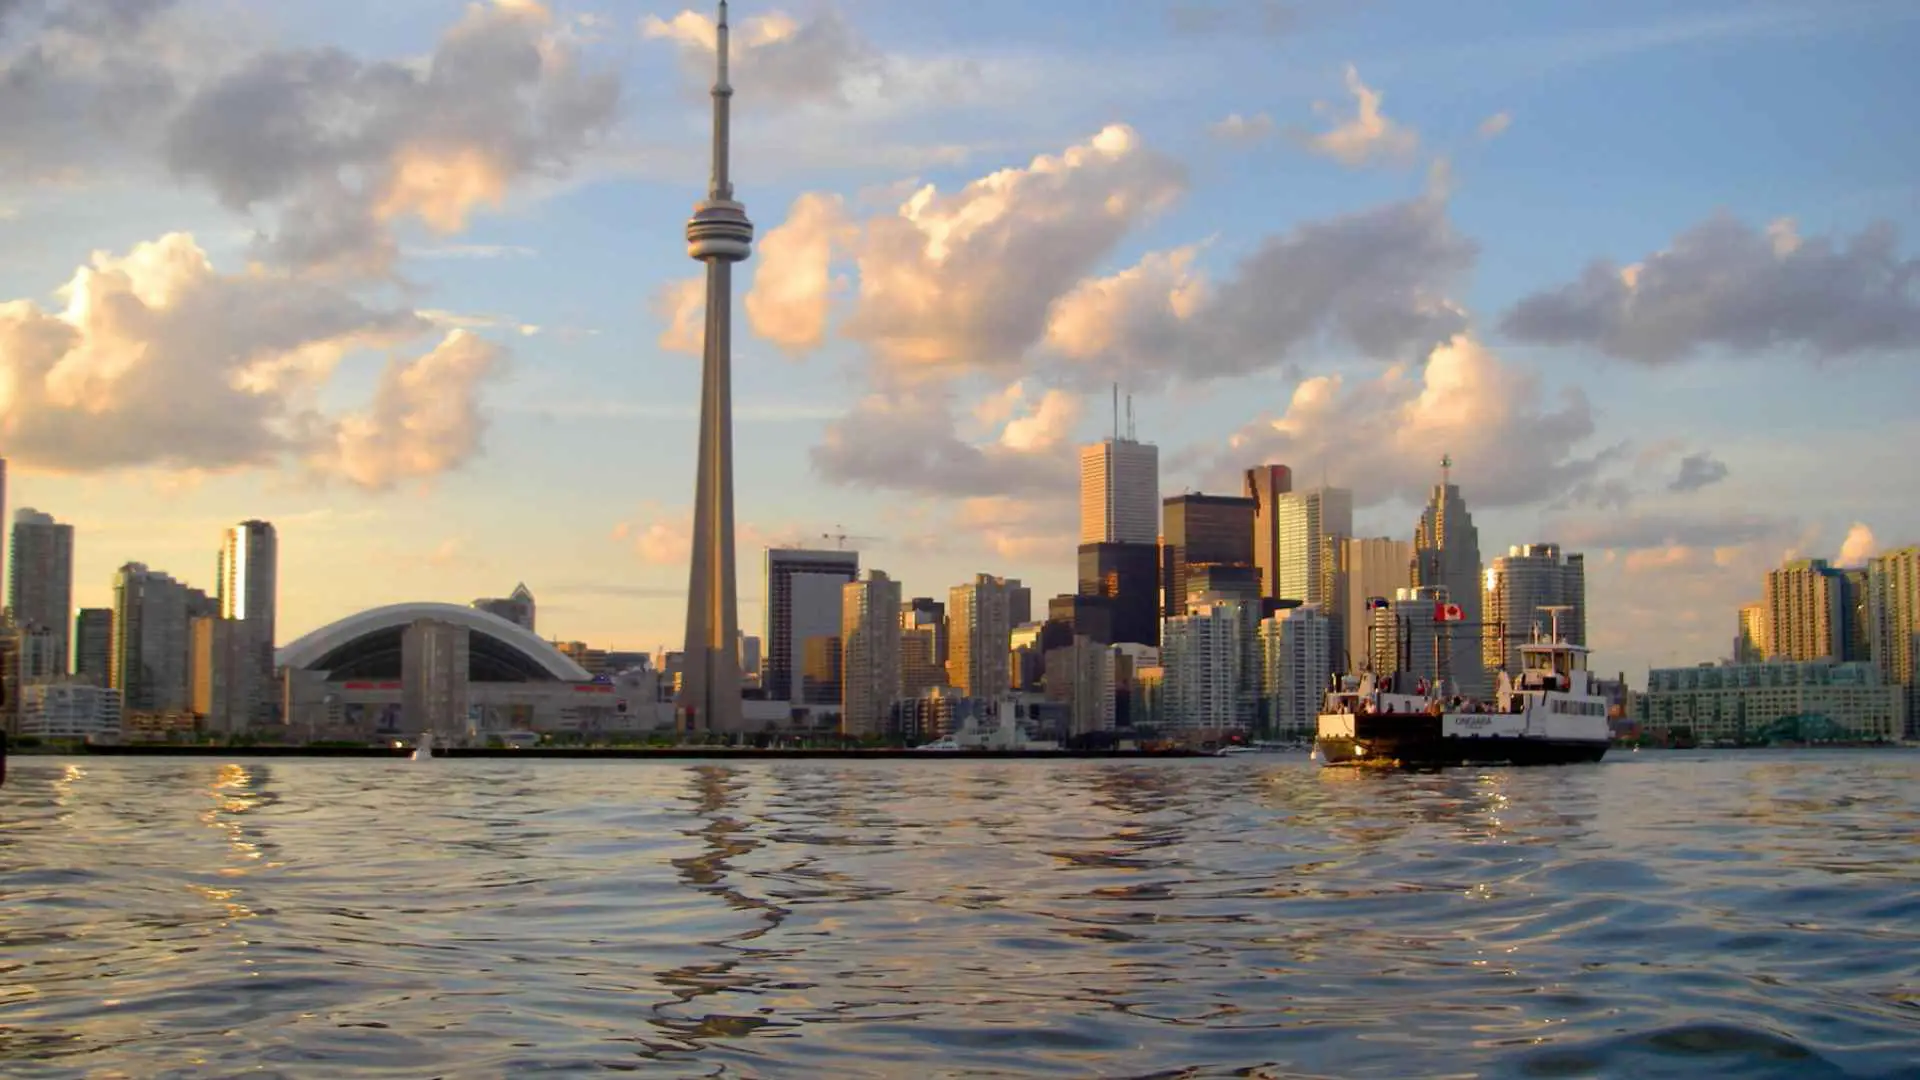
(1893, 623)
(719, 235)
(980, 620)
(1304, 520)
(93, 645)
(1119, 492)
(1364, 568)
(152, 649)
(1806, 606)
(1446, 557)
(1202, 530)
(869, 653)
(803, 601)
(1750, 638)
(1127, 576)
(40, 585)
(516, 608)
(249, 595)
(1518, 585)
(1265, 484)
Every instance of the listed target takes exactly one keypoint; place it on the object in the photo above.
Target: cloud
(455, 320)
(794, 286)
(347, 148)
(1723, 284)
(424, 419)
(682, 305)
(780, 60)
(907, 440)
(1376, 280)
(1495, 126)
(1367, 136)
(1242, 129)
(91, 81)
(1858, 547)
(469, 251)
(157, 359)
(663, 536)
(1017, 529)
(1698, 471)
(1652, 531)
(965, 280)
(1383, 437)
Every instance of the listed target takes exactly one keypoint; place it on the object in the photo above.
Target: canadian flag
(1448, 613)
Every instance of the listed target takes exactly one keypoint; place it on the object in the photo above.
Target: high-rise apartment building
(93, 645)
(249, 591)
(516, 607)
(1856, 636)
(1296, 662)
(803, 601)
(152, 645)
(1405, 637)
(1305, 519)
(217, 668)
(1119, 492)
(1806, 605)
(1519, 585)
(919, 671)
(1211, 667)
(1265, 484)
(1446, 558)
(980, 624)
(869, 653)
(1893, 624)
(1201, 530)
(435, 656)
(3, 513)
(40, 585)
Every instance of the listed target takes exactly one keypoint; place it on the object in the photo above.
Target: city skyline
(1595, 396)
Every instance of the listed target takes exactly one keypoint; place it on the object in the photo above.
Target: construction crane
(840, 537)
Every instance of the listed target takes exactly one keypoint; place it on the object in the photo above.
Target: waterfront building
(926, 613)
(919, 671)
(1750, 638)
(803, 601)
(1305, 520)
(1806, 605)
(40, 579)
(1519, 585)
(1404, 636)
(517, 607)
(1082, 676)
(248, 592)
(1296, 664)
(152, 643)
(1820, 700)
(218, 674)
(1127, 577)
(62, 710)
(1893, 624)
(1446, 559)
(1363, 569)
(93, 645)
(870, 653)
(1210, 669)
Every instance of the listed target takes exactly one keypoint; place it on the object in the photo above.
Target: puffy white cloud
(906, 439)
(347, 147)
(1017, 529)
(1725, 284)
(1859, 546)
(965, 280)
(424, 418)
(1242, 129)
(1698, 471)
(682, 306)
(781, 60)
(1383, 437)
(663, 536)
(157, 359)
(1365, 137)
(794, 286)
(1494, 126)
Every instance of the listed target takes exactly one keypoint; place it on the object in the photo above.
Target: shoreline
(625, 753)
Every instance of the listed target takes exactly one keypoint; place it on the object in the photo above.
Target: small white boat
(423, 748)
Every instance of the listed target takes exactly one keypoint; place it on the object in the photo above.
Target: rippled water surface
(1657, 915)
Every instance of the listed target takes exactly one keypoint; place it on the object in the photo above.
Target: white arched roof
(310, 649)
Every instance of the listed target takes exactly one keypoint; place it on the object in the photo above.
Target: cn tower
(719, 235)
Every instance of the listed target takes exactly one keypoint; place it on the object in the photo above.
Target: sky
(409, 280)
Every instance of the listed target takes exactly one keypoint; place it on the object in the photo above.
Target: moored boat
(1553, 714)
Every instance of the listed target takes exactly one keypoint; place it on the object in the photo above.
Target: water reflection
(1227, 917)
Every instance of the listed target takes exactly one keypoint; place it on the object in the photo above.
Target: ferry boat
(1552, 715)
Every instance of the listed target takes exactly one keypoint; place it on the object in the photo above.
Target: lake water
(1660, 914)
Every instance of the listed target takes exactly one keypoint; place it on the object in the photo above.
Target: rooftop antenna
(1446, 470)
(1116, 412)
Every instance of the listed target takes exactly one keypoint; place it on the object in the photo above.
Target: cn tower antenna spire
(721, 185)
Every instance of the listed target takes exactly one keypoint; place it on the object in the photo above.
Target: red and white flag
(1448, 613)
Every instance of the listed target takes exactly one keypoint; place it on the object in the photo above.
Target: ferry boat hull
(1421, 741)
